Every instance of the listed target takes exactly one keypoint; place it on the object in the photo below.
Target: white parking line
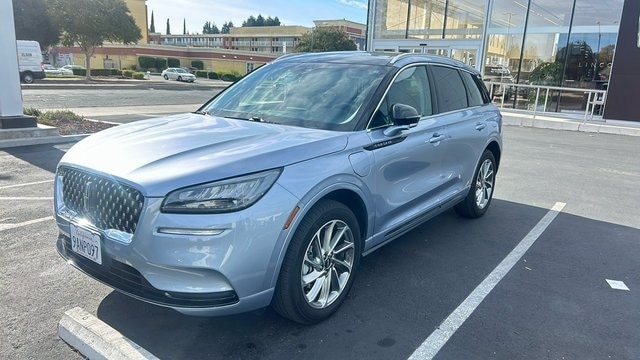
(438, 338)
(617, 285)
(25, 223)
(26, 184)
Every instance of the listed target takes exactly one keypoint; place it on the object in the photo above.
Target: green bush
(229, 75)
(32, 112)
(198, 64)
(79, 72)
(115, 72)
(201, 73)
(138, 75)
(127, 73)
(173, 62)
(161, 64)
(213, 75)
(52, 117)
(146, 62)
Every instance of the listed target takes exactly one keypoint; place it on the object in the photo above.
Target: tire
(27, 78)
(309, 260)
(166, 77)
(180, 78)
(479, 198)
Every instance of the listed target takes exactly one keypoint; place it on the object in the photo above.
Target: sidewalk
(577, 123)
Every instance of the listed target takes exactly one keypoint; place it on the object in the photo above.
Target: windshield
(313, 95)
(181, 70)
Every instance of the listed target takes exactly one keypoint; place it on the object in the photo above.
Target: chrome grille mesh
(107, 204)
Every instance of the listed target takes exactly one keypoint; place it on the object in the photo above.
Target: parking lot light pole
(11, 115)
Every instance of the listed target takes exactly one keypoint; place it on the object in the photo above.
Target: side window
(410, 87)
(483, 89)
(450, 91)
(473, 93)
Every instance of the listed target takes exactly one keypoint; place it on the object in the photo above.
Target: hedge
(173, 62)
(146, 62)
(201, 73)
(198, 64)
(138, 75)
(127, 73)
(161, 64)
(229, 75)
(213, 75)
(79, 72)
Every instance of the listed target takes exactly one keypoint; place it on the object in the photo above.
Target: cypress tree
(152, 28)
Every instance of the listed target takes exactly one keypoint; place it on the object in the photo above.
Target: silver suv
(272, 191)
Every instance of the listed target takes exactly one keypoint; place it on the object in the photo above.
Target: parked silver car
(272, 191)
(179, 74)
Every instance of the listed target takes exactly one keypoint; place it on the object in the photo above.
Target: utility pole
(11, 115)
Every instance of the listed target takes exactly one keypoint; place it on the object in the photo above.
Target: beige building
(263, 39)
(138, 10)
(126, 57)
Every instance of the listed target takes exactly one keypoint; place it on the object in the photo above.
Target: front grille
(106, 203)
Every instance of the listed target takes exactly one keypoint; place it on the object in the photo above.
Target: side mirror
(404, 118)
(404, 115)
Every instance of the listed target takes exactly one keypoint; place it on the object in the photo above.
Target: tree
(184, 26)
(273, 22)
(89, 23)
(261, 21)
(251, 21)
(210, 28)
(325, 39)
(152, 28)
(32, 22)
(226, 27)
(168, 27)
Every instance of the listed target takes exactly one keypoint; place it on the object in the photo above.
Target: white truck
(29, 61)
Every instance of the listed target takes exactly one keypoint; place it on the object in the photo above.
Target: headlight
(221, 196)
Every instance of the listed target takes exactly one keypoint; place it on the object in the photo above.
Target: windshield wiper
(202, 112)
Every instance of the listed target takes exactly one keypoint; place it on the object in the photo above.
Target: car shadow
(45, 157)
(403, 291)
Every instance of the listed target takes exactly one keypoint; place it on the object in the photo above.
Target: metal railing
(594, 97)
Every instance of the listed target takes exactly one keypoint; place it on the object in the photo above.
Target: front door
(412, 182)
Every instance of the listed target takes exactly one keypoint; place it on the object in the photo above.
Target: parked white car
(51, 70)
(179, 74)
(68, 69)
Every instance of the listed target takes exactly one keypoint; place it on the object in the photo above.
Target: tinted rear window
(451, 93)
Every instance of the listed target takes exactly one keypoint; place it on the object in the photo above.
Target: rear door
(462, 109)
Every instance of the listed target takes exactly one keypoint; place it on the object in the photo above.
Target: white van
(29, 60)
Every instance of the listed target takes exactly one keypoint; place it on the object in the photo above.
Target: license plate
(86, 243)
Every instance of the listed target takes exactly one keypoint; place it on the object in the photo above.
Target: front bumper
(128, 280)
(222, 274)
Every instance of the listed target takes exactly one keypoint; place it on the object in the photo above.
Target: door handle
(480, 126)
(436, 138)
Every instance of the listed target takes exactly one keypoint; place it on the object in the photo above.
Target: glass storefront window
(504, 40)
(391, 19)
(426, 19)
(465, 19)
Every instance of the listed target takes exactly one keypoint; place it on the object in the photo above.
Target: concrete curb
(47, 140)
(570, 126)
(97, 340)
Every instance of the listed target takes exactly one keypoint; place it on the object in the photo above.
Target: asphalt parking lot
(554, 303)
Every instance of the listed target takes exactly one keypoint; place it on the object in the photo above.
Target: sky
(290, 12)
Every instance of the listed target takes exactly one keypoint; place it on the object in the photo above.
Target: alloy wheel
(327, 264)
(484, 184)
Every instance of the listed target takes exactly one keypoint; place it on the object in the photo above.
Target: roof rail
(399, 56)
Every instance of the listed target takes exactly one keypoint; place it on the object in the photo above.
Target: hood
(161, 155)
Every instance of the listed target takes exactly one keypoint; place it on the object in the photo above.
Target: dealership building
(525, 42)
